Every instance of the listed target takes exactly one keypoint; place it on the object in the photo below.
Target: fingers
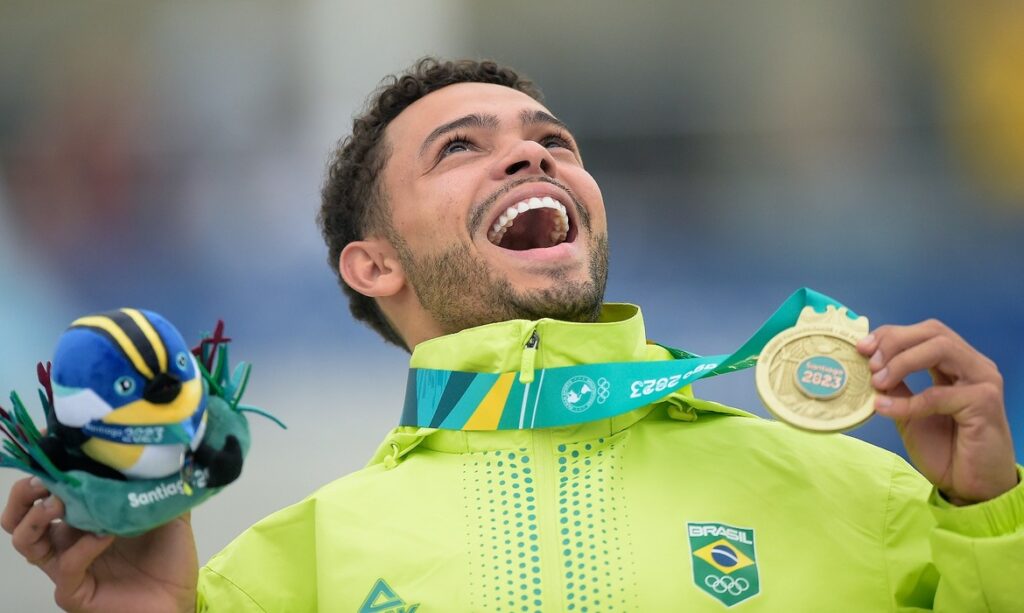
(897, 351)
(900, 391)
(31, 537)
(935, 352)
(24, 494)
(62, 552)
(894, 339)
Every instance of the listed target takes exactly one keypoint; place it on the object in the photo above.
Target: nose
(162, 389)
(525, 157)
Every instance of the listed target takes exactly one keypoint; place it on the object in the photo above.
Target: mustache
(480, 210)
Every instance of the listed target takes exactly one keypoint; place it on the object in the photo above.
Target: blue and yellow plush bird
(129, 402)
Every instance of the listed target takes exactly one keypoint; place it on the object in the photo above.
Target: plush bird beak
(162, 389)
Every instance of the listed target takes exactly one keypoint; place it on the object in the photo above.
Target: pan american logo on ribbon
(724, 562)
(580, 392)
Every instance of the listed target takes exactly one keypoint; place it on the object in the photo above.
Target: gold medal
(811, 375)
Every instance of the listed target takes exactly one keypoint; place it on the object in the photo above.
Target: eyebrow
(529, 118)
(474, 120)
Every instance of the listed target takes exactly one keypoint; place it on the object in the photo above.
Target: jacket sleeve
(973, 556)
(216, 592)
(979, 551)
(270, 567)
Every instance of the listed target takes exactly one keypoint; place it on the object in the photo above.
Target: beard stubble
(460, 291)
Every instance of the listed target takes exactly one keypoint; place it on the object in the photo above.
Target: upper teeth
(507, 219)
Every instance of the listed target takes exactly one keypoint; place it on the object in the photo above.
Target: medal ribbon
(561, 396)
(147, 434)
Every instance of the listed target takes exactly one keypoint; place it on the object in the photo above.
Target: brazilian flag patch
(724, 561)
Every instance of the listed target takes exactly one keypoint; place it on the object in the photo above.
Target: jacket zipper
(547, 519)
(545, 475)
(529, 358)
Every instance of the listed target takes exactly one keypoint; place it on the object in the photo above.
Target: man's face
(493, 215)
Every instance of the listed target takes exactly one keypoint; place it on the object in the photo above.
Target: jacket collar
(617, 336)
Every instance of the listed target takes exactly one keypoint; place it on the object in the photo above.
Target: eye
(456, 144)
(181, 360)
(124, 385)
(455, 147)
(557, 140)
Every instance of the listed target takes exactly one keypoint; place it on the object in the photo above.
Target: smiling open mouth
(537, 223)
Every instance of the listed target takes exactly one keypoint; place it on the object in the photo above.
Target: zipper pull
(529, 357)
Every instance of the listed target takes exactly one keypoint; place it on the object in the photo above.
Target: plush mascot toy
(139, 428)
(129, 401)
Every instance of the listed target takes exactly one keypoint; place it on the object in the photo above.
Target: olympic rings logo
(723, 584)
(603, 389)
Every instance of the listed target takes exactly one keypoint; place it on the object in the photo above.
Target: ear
(371, 267)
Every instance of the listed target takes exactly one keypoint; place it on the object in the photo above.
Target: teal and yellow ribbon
(462, 400)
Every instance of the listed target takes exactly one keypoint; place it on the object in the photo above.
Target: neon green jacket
(685, 504)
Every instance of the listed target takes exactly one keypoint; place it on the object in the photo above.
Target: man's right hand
(156, 571)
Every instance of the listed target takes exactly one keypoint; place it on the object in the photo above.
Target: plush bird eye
(124, 385)
(181, 360)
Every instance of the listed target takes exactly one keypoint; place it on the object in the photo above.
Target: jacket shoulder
(852, 466)
(272, 564)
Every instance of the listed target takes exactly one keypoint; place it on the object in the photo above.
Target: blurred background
(169, 156)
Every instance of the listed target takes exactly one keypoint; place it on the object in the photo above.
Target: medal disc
(811, 375)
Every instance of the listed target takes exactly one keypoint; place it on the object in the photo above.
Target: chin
(578, 301)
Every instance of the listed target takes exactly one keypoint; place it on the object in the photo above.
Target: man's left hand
(955, 431)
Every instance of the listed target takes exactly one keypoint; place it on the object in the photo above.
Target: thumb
(900, 391)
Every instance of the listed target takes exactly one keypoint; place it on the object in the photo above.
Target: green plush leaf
(24, 421)
(215, 388)
(239, 381)
(258, 411)
(22, 448)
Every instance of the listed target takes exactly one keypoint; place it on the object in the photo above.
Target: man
(464, 227)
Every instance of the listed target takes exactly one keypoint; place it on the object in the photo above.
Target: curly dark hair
(352, 200)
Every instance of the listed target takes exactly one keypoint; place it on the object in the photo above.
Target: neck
(408, 317)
